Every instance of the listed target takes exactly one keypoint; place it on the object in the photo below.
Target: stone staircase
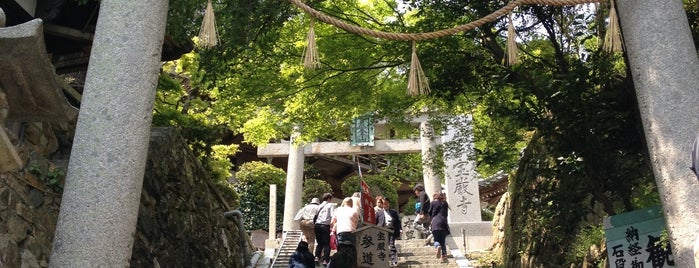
(286, 249)
(414, 253)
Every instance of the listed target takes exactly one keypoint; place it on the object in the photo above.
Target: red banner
(367, 201)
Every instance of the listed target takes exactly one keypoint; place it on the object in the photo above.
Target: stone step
(415, 253)
(420, 265)
(412, 253)
(411, 243)
(413, 247)
(433, 263)
(421, 258)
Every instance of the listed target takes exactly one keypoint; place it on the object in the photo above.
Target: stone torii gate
(103, 185)
(461, 178)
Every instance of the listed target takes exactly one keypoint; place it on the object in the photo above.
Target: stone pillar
(294, 183)
(428, 146)
(271, 241)
(272, 211)
(468, 231)
(460, 171)
(665, 69)
(98, 214)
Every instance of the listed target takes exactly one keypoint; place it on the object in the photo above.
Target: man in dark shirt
(322, 229)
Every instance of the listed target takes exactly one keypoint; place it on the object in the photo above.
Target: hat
(314, 201)
(419, 187)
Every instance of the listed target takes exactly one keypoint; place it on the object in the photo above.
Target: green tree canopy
(572, 104)
(253, 181)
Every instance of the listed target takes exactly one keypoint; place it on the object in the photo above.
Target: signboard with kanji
(372, 247)
(362, 129)
(633, 240)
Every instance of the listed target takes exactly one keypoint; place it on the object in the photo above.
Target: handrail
(237, 217)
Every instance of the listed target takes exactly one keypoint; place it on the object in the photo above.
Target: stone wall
(28, 203)
(180, 222)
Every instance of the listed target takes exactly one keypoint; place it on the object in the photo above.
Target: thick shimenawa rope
(417, 81)
(436, 34)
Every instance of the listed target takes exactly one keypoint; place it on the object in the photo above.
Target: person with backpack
(422, 206)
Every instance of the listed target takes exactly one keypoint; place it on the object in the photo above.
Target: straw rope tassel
(612, 40)
(208, 35)
(417, 82)
(310, 58)
(511, 43)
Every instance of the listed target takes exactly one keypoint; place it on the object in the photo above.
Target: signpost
(633, 240)
(362, 129)
(372, 247)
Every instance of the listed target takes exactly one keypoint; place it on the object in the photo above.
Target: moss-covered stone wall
(180, 224)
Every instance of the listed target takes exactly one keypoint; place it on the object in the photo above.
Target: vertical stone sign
(468, 231)
(372, 247)
(459, 169)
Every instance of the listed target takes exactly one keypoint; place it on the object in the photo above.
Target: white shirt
(309, 211)
(325, 213)
(387, 216)
(346, 219)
